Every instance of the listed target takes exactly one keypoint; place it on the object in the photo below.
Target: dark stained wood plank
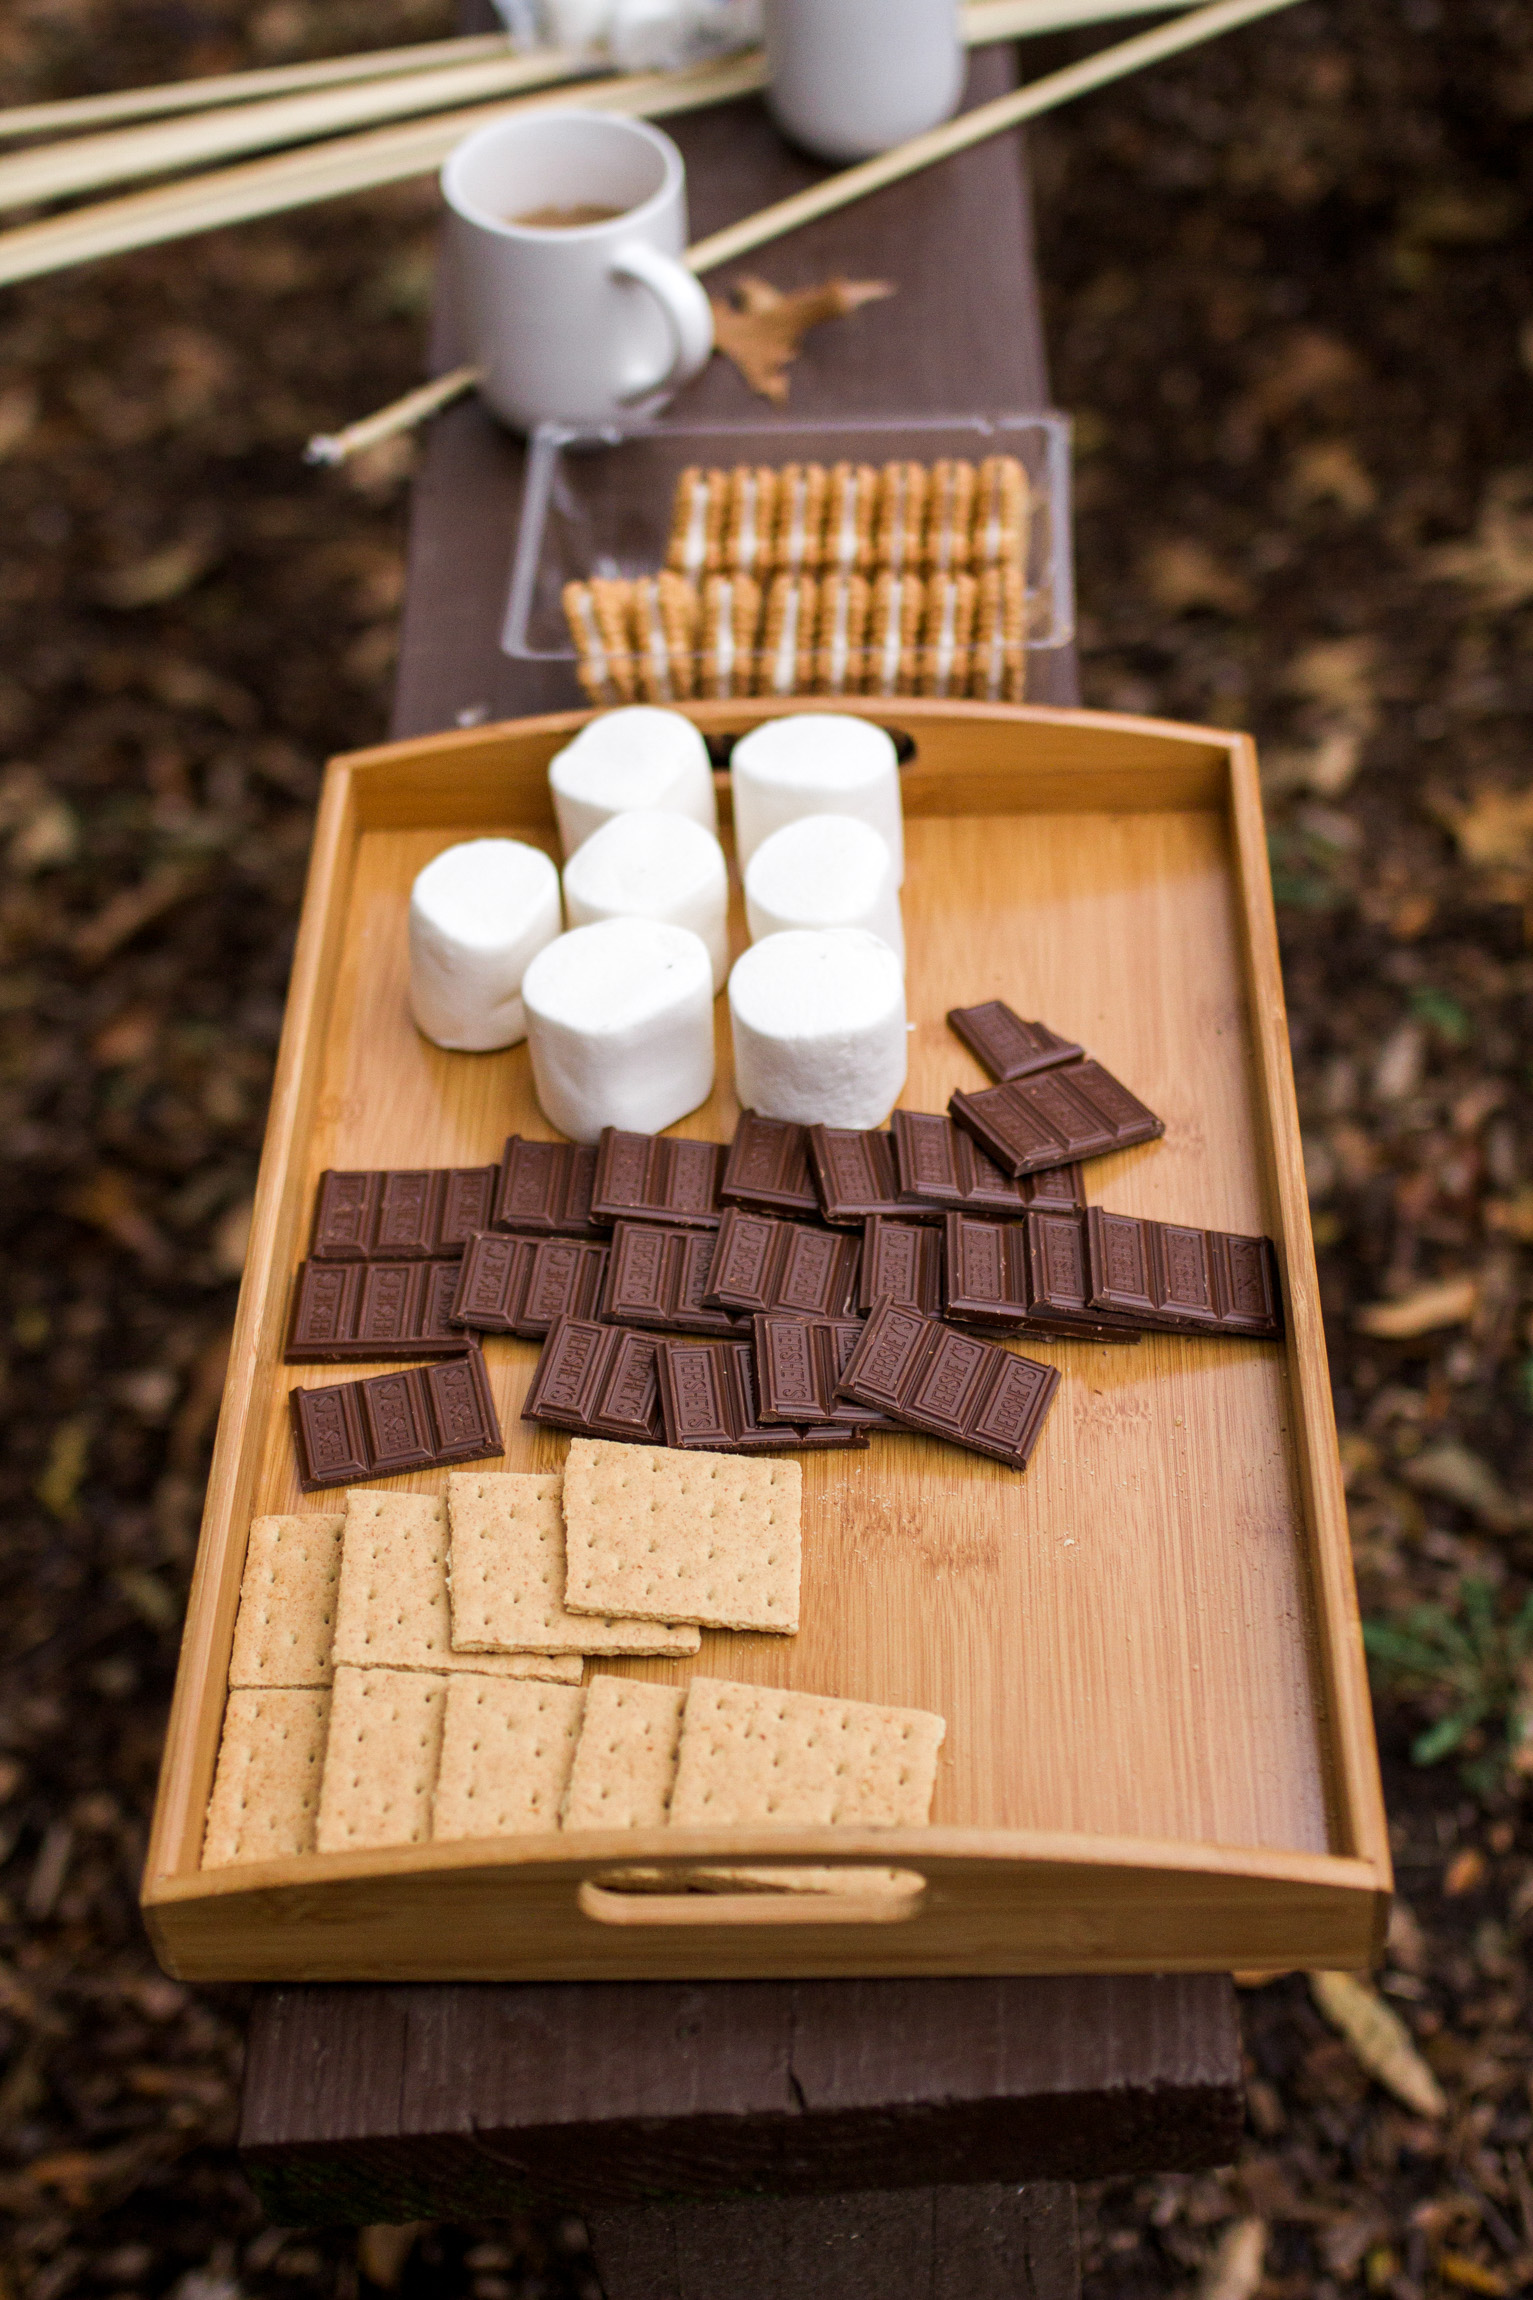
(928, 2244)
(963, 332)
(614, 2092)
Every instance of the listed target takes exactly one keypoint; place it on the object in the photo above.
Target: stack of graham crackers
(409, 1670)
(852, 581)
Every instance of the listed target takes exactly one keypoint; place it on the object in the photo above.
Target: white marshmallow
(620, 1025)
(478, 913)
(819, 1027)
(816, 763)
(639, 758)
(654, 866)
(824, 870)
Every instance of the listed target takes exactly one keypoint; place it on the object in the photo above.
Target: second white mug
(568, 230)
(848, 78)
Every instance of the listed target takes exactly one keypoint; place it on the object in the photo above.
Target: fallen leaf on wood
(1380, 2040)
(1235, 2270)
(761, 329)
(1447, 1303)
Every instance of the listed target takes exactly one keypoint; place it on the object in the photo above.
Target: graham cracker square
(705, 1537)
(266, 1790)
(755, 1754)
(505, 1570)
(625, 1760)
(506, 1756)
(392, 1610)
(287, 1601)
(380, 1759)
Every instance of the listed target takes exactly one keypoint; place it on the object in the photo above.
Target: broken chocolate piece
(420, 1418)
(657, 1278)
(511, 1285)
(853, 1174)
(937, 1166)
(798, 1364)
(1006, 1045)
(768, 1168)
(403, 1214)
(708, 1398)
(346, 1312)
(761, 1263)
(597, 1381)
(657, 1178)
(1025, 1276)
(1173, 1280)
(903, 1260)
(931, 1377)
(1080, 1111)
(543, 1189)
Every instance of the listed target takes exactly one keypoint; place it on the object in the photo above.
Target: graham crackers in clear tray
(816, 580)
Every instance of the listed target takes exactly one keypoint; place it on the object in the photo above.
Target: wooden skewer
(57, 169)
(973, 127)
(400, 415)
(79, 112)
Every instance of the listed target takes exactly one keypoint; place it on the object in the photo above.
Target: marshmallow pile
(618, 1009)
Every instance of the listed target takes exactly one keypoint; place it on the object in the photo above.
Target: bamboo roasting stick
(78, 112)
(973, 127)
(56, 169)
(400, 415)
(333, 170)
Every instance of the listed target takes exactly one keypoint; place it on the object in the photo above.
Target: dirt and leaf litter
(1303, 507)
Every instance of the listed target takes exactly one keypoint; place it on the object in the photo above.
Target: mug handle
(681, 297)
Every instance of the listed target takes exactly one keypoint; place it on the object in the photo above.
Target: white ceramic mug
(583, 323)
(847, 78)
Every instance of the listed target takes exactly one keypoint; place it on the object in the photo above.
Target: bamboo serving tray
(1160, 1751)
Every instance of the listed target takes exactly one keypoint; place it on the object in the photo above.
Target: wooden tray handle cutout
(752, 1897)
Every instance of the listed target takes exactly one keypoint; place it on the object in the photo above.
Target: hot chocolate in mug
(568, 229)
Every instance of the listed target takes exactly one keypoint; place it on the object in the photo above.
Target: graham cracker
(506, 1757)
(505, 1571)
(753, 1753)
(705, 1537)
(380, 1759)
(287, 1601)
(266, 1791)
(392, 1611)
(625, 1760)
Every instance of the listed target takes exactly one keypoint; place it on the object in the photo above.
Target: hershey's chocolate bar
(1021, 1276)
(937, 1166)
(345, 1312)
(402, 1214)
(511, 1285)
(1180, 1281)
(418, 1418)
(658, 1277)
(657, 1178)
(597, 1381)
(902, 1259)
(1079, 1111)
(768, 1168)
(543, 1189)
(854, 1174)
(761, 1263)
(1006, 1045)
(798, 1364)
(931, 1377)
(708, 1398)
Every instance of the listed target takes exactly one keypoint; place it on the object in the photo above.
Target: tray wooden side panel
(1112, 1709)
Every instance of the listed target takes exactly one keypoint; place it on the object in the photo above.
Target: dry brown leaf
(1235, 2270)
(107, 1202)
(1183, 573)
(1511, 1217)
(1448, 1302)
(761, 329)
(1471, 2275)
(1328, 471)
(1453, 1473)
(1494, 830)
(1380, 2040)
(163, 575)
(1497, 560)
(135, 907)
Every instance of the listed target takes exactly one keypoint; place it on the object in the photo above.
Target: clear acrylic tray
(597, 502)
